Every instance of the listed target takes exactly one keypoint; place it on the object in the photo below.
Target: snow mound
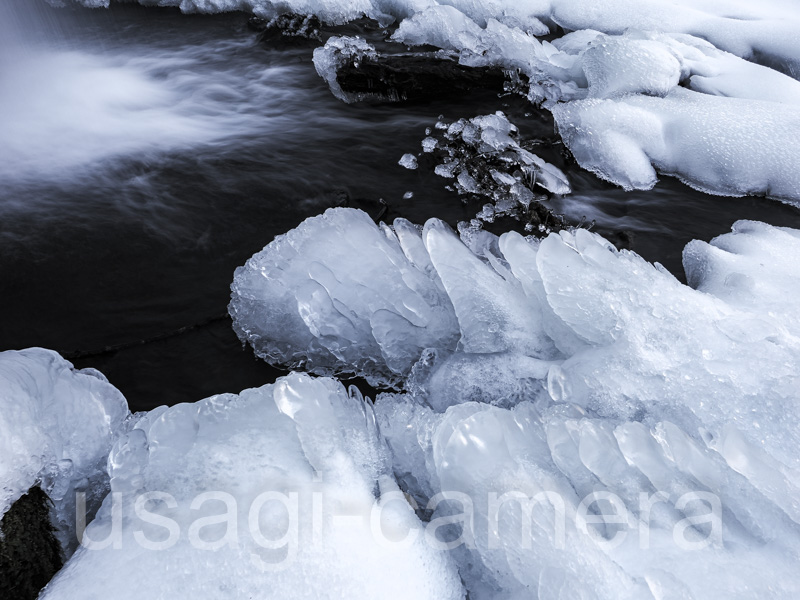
(57, 425)
(719, 145)
(283, 491)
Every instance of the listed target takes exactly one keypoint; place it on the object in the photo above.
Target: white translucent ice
(576, 506)
(281, 492)
(580, 369)
(339, 294)
(57, 425)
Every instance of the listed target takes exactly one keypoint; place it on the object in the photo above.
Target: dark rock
(415, 76)
(29, 552)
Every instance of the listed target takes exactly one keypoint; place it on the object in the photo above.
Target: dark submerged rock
(415, 76)
(29, 552)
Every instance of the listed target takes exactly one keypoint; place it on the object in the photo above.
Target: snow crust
(57, 425)
(303, 436)
(578, 369)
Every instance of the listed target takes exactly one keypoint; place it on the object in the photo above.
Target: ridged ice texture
(581, 368)
(560, 455)
(300, 435)
(57, 425)
(341, 295)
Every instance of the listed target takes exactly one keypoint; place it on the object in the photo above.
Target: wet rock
(414, 76)
(30, 554)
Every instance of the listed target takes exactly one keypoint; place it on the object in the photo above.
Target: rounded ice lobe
(275, 493)
(339, 294)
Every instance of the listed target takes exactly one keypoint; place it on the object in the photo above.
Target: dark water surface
(145, 154)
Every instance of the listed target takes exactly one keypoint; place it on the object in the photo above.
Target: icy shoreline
(556, 374)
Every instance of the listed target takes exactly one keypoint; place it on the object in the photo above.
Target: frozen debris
(288, 28)
(485, 156)
(408, 161)
(57, 425)
(269, 494)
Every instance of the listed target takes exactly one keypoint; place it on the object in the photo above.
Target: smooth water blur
(145, 154)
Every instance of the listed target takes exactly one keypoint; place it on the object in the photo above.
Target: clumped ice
(485, 156)
(303, 436)
(408, 161)
(57, 425)
(579, 368)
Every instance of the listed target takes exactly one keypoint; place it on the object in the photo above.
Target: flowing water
(145, 154)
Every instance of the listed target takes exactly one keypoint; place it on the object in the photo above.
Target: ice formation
(57, 425)
(283, 491)
(337, 51)
(483, 155)
(579, 368)
(340, 295)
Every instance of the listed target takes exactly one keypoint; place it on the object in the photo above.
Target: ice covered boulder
(283, 491)
(57, 425)
(336, 53)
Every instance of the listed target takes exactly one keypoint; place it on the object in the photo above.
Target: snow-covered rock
(720, 145)
(57, 425)
(283, 491)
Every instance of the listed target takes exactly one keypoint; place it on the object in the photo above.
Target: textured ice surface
(580, 369)
(57, 425)
(340, 294)
(550, 459)
(720, 145)
(302, 436)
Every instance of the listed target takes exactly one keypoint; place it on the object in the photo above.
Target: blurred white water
(65, 106)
